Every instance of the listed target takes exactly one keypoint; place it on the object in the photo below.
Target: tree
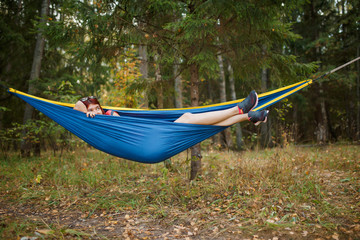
(265, 138)
(35, 74)
(178, 86)
(16, 53)
(239, 135)
(144, 71)
(328, 33)
(226, 134)
(358, 94)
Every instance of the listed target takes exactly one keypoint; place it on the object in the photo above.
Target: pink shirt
(109, 112)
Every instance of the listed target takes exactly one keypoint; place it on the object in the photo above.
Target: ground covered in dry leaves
(281, 193)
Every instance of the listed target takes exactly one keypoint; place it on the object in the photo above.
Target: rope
(338, 68)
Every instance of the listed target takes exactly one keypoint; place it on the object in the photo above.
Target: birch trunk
(226, 134)
(144, 72)
(239, 135)
(158, 79)
(178, 87)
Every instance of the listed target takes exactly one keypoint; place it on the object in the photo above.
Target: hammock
(147, 136)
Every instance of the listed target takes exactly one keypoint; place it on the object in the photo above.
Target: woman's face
(94, 108)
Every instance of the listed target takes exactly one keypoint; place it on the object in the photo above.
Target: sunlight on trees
(124, 72)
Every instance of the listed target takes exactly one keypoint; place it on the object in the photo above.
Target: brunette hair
(91, 100)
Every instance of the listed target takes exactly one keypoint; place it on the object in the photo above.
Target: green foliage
(85, 42)
(4, 109)
(48, 133)
(329, 39)
(119, 91)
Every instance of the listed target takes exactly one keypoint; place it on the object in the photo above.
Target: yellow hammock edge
(212, 105)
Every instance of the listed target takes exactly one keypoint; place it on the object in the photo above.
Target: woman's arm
(79, 106)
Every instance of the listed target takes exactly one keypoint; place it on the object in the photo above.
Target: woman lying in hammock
(239, 113)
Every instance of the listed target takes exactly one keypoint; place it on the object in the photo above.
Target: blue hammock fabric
(147, 136)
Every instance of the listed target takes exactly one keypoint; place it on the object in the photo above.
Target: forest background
(165, 54)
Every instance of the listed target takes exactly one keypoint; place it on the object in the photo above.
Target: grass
(292, 191)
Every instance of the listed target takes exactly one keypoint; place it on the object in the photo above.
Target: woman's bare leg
(255, 117)
(209, 118)
(224, 117)
(234, 119)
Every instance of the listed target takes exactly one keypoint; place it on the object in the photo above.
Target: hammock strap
(338, 68)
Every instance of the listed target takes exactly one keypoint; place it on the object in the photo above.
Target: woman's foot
(258, 117)
(248, 103)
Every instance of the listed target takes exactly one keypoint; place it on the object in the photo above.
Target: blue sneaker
(248, 103)
(258, 116)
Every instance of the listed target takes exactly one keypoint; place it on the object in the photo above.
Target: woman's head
(92, 105)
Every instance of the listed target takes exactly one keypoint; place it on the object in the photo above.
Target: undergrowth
(298, 188)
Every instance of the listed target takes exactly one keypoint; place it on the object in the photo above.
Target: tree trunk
(322, 126)
(158, 79)
(215, 138)
(1, 119)
(194, 94)
(144, 72)
(160, 96)
(37, 146)
(322, 122)
(295, 128)
(358, 94)
(265, 139)
(178, 87)
(222, 80)
(6, 95)
(226, 134)
(239, 135)
(35, 74)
